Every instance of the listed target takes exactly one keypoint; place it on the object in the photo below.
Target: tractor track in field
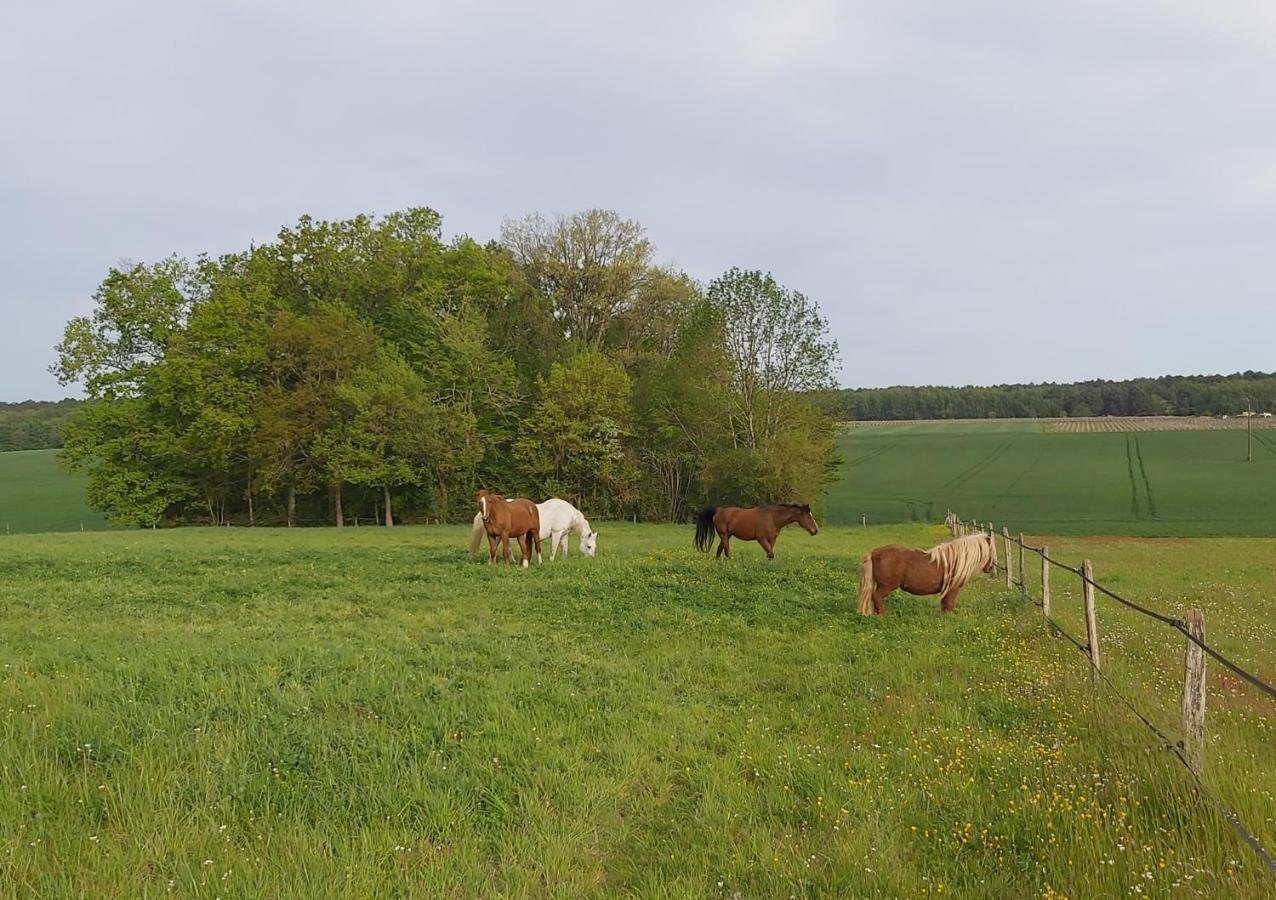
(1032, 465)
(1149, 498)
(1134, 485)
(965, 476)
(1266, 440)
(873, 454)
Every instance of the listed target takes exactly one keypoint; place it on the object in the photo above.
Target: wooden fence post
(1023, 569)
(1045, 581)
(1005, 536)
(1091, 624)
(1192, 710)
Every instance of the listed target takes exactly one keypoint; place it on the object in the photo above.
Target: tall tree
(576, 440)
(778, 344)
(386, 432)
(591, 267)
(307, 359)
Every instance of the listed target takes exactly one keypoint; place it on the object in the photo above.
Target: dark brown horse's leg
(949, 601)
(724, 545)
(768, 546)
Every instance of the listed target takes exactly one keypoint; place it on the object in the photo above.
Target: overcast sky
(974, 192)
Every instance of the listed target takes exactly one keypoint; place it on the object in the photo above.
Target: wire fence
(1190, 750)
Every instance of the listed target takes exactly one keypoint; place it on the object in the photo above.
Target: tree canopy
(374, 368)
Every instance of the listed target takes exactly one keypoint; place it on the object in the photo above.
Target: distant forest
(38, 424)
(1169, 395)
(34, 424)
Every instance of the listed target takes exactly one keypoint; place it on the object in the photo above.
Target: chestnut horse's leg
(768, 544)
(949, 600)
(879, 599)
(524, 549)
(505, 547)
(535, 535)
(491, 549)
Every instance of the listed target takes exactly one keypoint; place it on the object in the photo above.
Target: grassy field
(37, 495)
(1168, 483)
(366, 713)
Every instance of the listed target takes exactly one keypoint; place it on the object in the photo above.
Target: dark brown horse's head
(806, 520)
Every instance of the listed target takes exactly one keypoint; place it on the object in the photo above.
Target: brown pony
(502, 518)
(940, 570)
(750, 523)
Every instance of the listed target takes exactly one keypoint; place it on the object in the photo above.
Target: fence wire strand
(1177, 625)
(1237, 825)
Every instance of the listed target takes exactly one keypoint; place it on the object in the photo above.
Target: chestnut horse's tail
(704, 528)
(867, 585)
(476, 535)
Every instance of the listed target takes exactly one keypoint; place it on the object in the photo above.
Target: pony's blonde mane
(962, 558)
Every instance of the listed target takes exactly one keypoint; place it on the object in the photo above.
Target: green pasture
(365, 712)
(36, 494)
(1146, 483)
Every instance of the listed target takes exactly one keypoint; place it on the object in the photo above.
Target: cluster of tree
(34, 424)
(371, 367)
(1171, 395)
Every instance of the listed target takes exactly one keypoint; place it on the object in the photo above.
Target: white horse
(558, 520)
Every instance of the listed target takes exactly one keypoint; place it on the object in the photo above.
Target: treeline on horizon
(372, 368)
(1169, 395)
(34, 424)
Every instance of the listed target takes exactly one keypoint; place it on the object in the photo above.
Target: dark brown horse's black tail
(704, 528)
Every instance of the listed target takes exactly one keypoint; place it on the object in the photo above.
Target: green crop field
(1156, 483)
(38, 495)
(365, 712)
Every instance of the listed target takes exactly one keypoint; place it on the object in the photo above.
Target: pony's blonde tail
(476, 535)
(867, 585)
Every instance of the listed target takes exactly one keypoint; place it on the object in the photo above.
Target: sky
(975, 193)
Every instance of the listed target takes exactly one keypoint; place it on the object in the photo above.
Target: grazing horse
(940, 570)
(558, 520)
(750, 523)
(503, 518)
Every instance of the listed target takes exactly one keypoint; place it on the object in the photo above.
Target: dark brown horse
(940, 570)
(749, 523)
(505, 518)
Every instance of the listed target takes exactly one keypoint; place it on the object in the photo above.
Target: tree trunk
(292, 504)
(251, 520)
(389, 516)
(336, 503)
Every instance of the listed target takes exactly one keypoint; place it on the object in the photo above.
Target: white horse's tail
(476, 535)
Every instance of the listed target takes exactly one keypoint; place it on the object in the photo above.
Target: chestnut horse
(503, 518)
(940, 570)
(749, 523)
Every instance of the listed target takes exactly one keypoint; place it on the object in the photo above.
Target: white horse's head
(589, 543)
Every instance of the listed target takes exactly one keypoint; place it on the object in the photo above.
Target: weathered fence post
(1091, 625)
(1045, 581)
(1192, 710)
(864, 521)
(1023, 569)
(1005, 536)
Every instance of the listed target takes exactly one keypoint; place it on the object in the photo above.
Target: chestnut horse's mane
(962, 558)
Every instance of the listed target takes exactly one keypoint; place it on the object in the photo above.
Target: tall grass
(367, 713)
